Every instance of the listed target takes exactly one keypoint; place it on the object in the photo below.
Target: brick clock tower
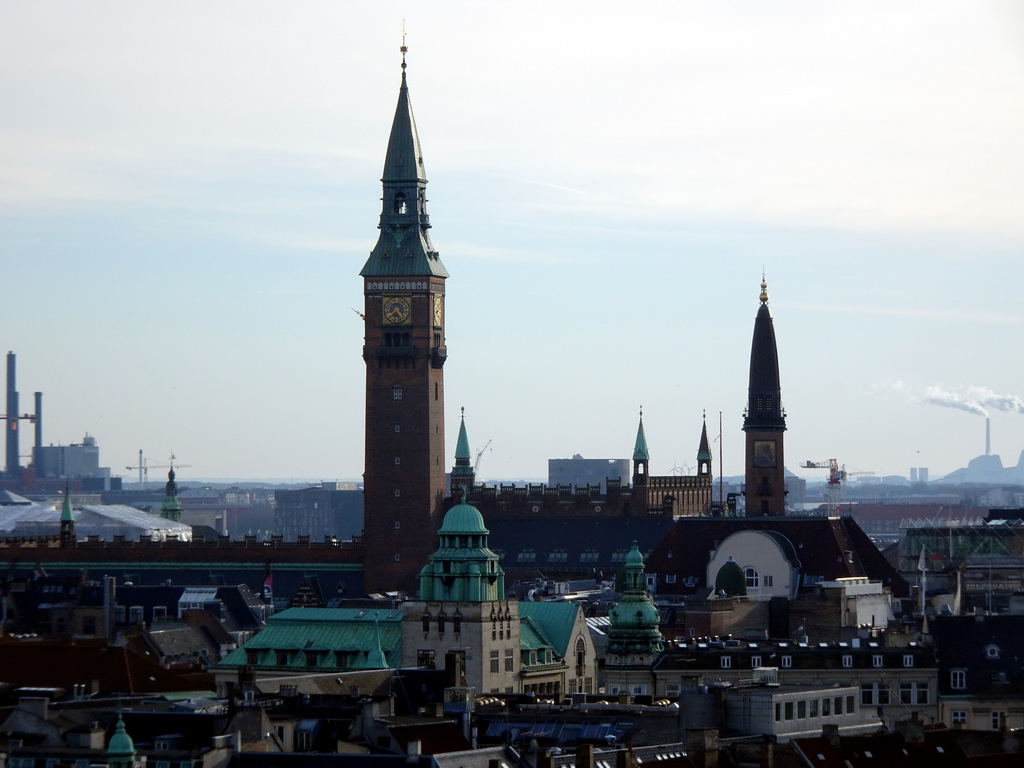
(404, 350)
(764, 421)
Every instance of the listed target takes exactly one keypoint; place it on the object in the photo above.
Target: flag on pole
(921, 561)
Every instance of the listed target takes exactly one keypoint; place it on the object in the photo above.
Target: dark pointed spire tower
(704, 451)
(641, 460)
(764, 421)
(404, 350)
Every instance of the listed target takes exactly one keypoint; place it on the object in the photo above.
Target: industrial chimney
(988, 436)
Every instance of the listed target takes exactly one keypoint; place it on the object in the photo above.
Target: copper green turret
(634, 619)
(121, 749)
(170, 509)
(463, 568)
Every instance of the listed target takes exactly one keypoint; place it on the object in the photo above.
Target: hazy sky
(189, 189)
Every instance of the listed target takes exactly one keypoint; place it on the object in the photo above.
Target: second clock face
(396, 309)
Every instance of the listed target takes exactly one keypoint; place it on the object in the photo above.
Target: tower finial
(404, 49)
(641, 413)
(764, 289)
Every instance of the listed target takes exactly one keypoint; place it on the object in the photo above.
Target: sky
(188, 191)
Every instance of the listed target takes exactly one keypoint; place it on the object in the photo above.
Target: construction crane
(479, 455)
(144, 467)
(836, 476)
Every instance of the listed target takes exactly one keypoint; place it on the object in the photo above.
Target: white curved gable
(768, 570)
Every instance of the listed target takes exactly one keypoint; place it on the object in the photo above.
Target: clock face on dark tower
(396, 309)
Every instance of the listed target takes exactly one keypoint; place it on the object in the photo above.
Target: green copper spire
(640, 449)
(65, 511)
(462, 446)
(67, 520)
(704, 449)
(404, 246)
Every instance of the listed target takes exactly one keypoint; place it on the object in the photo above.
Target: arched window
(400, 205)
(753, 580)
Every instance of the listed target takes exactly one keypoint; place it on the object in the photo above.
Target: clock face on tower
(396, 309)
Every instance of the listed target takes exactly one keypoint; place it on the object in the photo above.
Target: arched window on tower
(400, 204)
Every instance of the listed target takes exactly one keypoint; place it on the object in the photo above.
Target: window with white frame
(958, 679)
(847, 660)
(908, 659)
(753, 582)
(914, 693)
(725, 662)
(998, 719)
(958, 717)
(766, 580)
(755, 661)
(874, 694)
(787, 662)
(876, 660)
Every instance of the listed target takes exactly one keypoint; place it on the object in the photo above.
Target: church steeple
(764, 420)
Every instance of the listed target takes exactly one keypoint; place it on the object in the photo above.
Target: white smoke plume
(990, 399)
(975, 401)
(947, 399)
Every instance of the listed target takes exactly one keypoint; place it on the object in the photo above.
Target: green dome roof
(121, 744)
(463, 519)
(731, 579)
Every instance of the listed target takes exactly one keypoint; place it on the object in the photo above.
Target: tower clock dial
(396, 309)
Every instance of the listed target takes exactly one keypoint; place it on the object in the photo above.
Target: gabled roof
(556, 621)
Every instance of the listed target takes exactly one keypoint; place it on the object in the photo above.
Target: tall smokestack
(988, 436)
(39, 425)
(12, 417)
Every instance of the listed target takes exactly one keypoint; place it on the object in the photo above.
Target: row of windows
(803, 709)
(996, 718)
(786, 661)
(879, 694)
